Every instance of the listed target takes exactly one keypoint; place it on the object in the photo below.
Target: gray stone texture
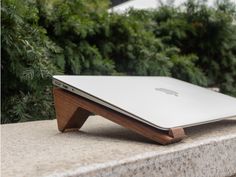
(103, 148)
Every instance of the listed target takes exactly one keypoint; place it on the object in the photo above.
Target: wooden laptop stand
(72, 111)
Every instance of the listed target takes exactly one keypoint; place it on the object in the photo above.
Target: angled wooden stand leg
(73, 110)
(69, 115)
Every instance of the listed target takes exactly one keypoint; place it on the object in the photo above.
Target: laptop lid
(162, 102)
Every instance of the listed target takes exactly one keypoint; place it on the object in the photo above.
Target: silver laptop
(161, 102)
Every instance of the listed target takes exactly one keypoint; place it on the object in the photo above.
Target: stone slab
(103, 148)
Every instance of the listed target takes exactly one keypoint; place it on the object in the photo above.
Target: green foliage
(134, 50)
(208, 33)
(71, 25)
(180, 65)
(26, 65)
(40, 38)
(185, 69)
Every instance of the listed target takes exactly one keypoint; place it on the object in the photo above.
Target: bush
(26, 64)
(41, 38)
(209, 33)
(72, 25)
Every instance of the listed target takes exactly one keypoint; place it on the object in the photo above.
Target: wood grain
(73, 110)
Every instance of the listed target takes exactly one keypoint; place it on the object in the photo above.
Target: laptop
(161, 102)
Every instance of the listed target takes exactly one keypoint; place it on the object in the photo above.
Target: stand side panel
(67, 103)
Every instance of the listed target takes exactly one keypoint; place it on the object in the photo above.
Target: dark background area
(117, 2)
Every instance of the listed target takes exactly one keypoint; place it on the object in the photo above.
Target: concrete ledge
(103, 148)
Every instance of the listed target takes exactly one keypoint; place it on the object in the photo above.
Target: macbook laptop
(161, 102)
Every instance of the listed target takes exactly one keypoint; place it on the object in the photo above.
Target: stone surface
(103, 148)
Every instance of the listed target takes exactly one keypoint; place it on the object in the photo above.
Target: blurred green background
(40, 38)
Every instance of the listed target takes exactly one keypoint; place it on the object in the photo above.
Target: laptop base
(73, 110)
